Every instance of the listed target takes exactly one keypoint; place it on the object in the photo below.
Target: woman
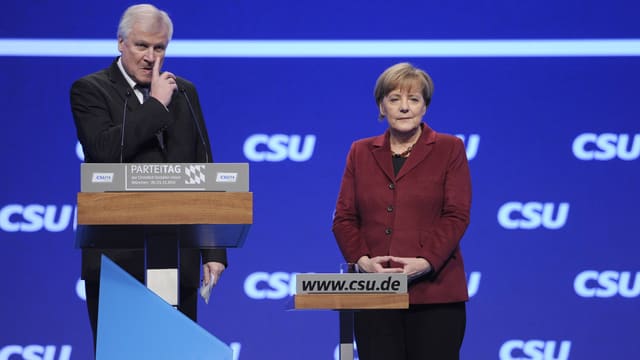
(403, 207)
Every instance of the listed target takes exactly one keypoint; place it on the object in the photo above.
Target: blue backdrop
(551, 131)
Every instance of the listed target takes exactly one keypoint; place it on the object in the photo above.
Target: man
(134, 112)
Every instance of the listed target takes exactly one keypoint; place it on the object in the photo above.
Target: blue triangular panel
(135, 323)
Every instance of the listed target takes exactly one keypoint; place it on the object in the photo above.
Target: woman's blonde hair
(399, 76)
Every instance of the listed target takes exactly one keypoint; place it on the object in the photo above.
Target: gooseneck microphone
(124, 120)
(195, 120)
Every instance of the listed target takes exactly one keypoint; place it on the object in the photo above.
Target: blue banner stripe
(334, 48)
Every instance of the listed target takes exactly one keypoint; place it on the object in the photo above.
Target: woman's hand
(375, 265)
(413, 267)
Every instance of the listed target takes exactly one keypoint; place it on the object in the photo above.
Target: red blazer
(421, 212)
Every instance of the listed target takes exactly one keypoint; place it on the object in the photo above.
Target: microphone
(195, 121)
(124, 119)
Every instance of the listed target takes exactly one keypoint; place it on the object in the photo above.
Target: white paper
(205, 290)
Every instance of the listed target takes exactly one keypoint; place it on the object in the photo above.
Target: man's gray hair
(153, 19)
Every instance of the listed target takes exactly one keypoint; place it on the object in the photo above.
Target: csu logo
(279, 147)
(471, 144)
(607, 146)
(531, 215)
(473, 283)
(35, 217)
(535, 350)
(590, 283)
(35, 352)
(262, 285)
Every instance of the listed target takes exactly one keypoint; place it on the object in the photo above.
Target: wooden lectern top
(200, 219)
(351, 301)
(165, 208)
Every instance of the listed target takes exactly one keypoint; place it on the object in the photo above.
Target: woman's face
(404, 108)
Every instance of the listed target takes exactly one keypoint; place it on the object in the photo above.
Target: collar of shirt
(130, 81)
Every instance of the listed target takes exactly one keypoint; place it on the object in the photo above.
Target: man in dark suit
(133, 112)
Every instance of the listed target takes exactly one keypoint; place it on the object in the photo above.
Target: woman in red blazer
(403, 207)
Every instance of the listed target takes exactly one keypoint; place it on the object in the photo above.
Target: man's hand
(212, 271)
(162, 85)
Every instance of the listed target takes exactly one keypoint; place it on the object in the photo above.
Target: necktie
(144, 90)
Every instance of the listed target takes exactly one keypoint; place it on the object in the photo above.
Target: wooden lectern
(346, 304)
(199, 219)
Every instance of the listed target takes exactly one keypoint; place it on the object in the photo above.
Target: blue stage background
(553, 141)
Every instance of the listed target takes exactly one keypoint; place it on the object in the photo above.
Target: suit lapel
(419, 152)
(382, 154)
(121, 86)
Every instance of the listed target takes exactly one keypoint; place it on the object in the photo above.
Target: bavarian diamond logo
(195, 174)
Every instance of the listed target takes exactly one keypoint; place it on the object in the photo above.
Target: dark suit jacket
(97, 103)
(421, 212)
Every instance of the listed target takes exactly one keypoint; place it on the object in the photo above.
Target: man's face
(143, 46)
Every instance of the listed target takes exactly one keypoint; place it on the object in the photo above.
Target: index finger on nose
(156, 70)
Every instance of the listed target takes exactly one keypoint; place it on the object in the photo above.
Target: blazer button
(387, 231)
(389, 208)
(392, 186)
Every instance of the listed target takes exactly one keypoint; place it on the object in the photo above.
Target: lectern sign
(165, 177)
(351, 283)
(349, 292)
